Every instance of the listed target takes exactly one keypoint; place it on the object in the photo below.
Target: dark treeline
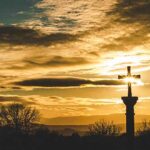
(43, 139)
(17, 132)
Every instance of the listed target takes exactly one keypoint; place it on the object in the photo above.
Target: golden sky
(63, 57)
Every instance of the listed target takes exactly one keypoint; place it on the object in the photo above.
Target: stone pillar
(130, 102)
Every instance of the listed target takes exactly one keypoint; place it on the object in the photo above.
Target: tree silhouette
(103, 128)
(18, 116)
(144, 128)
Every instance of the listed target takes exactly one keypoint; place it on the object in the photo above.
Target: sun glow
(114, 62)
(133, 80)
(130, 79)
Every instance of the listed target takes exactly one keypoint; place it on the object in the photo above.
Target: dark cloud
(26, 36)
(137, 11)
(134, 14)
(66, 82)
(58, 61)
(16, 88)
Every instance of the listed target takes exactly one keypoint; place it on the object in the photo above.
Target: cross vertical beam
(129, 83)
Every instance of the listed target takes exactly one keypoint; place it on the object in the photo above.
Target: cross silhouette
(129, 76)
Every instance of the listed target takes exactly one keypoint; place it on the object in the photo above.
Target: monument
(130, 102)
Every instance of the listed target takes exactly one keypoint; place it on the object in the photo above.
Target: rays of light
(133, 80)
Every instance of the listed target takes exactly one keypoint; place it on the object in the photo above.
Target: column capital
(130, 101)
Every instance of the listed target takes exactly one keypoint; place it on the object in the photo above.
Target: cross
(129, 77)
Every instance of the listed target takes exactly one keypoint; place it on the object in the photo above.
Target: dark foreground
(43, 139)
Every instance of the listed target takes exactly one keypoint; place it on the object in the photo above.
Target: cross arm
(122, 76)
(137, 76)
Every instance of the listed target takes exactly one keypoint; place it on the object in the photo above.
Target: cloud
(59, 61)
(9, 98)
(15, 99)
(52, 106)
(129, 40)
(72, 16)
(25, 36)
(50, 62)
(46, 101)
(66, 82)
(132, 12)
(134, 17)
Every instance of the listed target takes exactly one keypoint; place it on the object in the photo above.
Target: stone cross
(129, 78)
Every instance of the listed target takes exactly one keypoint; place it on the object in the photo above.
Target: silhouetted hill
(86, 120)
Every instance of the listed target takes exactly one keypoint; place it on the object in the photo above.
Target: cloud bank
(66, 82)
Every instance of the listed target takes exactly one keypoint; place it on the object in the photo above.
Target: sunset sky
(64, 56)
